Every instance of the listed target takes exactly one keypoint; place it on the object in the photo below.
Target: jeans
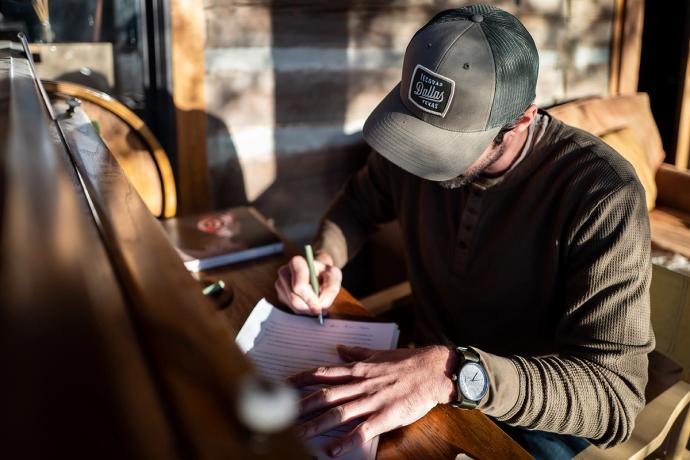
(545, 445)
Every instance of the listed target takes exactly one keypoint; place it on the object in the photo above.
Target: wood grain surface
(626, 46)
(75, 379)
(132, 143)
(187, 37)
(188, 346)
(670, 230)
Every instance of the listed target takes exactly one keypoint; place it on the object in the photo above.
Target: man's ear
(526, 119)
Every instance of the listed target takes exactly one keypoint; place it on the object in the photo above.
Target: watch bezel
(467, 355)
(485, 376)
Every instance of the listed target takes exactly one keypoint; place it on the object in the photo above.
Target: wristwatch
(470, 378)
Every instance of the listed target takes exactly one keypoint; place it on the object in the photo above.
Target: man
(527, 245)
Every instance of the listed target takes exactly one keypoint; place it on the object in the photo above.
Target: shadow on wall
(317, 96)
(291, 147)
(315, 152)
(330, 62)
(225, 170)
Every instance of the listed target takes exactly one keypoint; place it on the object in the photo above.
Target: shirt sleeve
(361, 205)
(594, 387)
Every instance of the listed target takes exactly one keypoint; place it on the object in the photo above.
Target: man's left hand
(389, 388)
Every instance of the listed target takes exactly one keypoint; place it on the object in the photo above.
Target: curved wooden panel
(131, 142)
(190, 344)
(75, 379)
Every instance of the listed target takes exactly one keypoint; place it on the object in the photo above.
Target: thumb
(354, 353)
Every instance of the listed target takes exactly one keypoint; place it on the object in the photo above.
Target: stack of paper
(281, 344)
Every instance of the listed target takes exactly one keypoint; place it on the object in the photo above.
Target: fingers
(329, 375)
(301, 284)
(324, 257)
(370, 428)
(331, 279)
(295, 290)
(337, 416)
(355, 353)
(331, 395)
(285, 294)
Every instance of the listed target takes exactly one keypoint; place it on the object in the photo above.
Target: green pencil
(312, 275)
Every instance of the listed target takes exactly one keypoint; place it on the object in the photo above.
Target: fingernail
(335, 450)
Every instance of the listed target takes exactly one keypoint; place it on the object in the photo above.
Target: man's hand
(390, 388)
(295, 291)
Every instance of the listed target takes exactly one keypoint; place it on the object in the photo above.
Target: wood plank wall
(626, 46)
(682, 155)
(289, 84)
(683, 136)
(187, 54)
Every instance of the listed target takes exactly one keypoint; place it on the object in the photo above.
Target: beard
(471, 174)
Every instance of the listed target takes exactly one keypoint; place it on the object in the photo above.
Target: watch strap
(465, 354)
(468, 354)
(465, 404)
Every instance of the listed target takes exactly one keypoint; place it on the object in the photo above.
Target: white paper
(281, 344)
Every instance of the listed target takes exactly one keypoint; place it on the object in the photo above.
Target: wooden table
(441, 434)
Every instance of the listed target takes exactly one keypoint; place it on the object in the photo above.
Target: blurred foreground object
(108, 347)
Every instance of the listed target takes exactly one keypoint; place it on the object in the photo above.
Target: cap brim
(418, 147)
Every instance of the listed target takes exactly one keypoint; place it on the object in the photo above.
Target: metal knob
(72, 103)
(266, 407)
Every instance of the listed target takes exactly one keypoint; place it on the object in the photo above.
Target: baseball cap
(467, 73)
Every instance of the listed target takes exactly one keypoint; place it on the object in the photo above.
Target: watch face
(472, 381)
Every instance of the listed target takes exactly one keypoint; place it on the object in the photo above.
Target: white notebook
(281, 344)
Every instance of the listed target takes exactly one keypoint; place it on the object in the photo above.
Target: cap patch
(430, 91)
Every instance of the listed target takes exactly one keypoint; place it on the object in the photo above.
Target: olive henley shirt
(545, 272)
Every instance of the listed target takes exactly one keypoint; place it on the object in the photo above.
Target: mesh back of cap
(515, 58)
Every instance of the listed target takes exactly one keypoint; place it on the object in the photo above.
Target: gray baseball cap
(466, 73)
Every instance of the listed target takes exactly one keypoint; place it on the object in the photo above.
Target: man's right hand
(294, 288)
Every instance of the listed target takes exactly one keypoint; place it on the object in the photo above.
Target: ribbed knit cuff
(332, 241)
(504, 384)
